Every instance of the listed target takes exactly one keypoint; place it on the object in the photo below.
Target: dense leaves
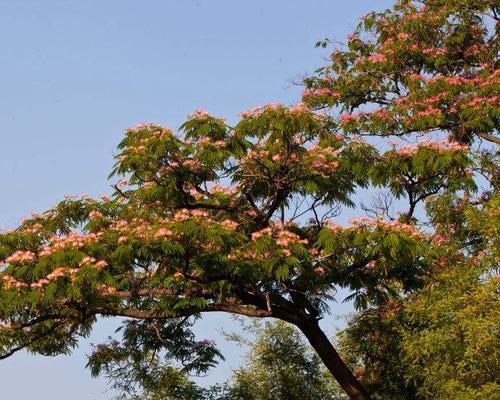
(278, 365)
(442, 341)
(281, 366)
(421, 66)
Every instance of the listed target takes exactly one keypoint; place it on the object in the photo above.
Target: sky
(75, 74)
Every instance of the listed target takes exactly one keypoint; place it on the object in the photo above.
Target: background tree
(441, 341)
(371, 345)
(278, 365)
(450, 341)
(154, 361)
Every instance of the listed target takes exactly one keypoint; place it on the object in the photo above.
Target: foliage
(442, 341)
(451, 344)
(420, 66)
(140, 366)
(280, 365)
(450, 341)
(238, 219)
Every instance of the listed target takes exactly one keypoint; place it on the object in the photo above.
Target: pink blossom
(347, 118)
(122, 239)
(101, 264)
(227, 223)
(377, 58)
(162, 232)
(95, 214)
(20, 256)
(200, 114)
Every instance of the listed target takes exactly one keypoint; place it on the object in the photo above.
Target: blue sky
(75, 74)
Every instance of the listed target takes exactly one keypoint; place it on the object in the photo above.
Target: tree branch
(489, 138)
(249, 311)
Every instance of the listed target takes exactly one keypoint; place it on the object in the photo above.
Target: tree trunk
(332, 360)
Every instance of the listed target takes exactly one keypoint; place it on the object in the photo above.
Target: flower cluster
(10, 282)
(207, 140)
(95, 215)
(139, 227)
(200, 114)
(93, 262)
(229, 224)
(202, 216)
(283, 237)
(323, 160)
(185, 214)
(297, 109)
(258, 110)
(377, 58)
(141, 127)
(225, 190)
(440, 146)
(399, 226)
(57, 273)
(73, 240)
(309, 93)
(160, 233)
(20, 256)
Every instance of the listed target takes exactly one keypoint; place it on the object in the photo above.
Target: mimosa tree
(239, 219)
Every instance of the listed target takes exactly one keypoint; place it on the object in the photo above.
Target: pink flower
(200, 114)
(227, 223)
(438, 239)
(95, 214)
(20, 256)
(359, 221)
(377, 58)
(346, 118)
(299, 107)
(101, 264)
(162, 232)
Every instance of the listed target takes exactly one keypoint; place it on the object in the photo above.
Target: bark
(490, 138)
(332, 360)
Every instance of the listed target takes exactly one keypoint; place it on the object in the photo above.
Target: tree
(440, 342)
(371, 345)
(154, 362)
(174, 241)
(420, 67)
(279, 365)
(450, 341)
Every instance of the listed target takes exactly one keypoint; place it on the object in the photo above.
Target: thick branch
(249, 311)
(489, 138)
